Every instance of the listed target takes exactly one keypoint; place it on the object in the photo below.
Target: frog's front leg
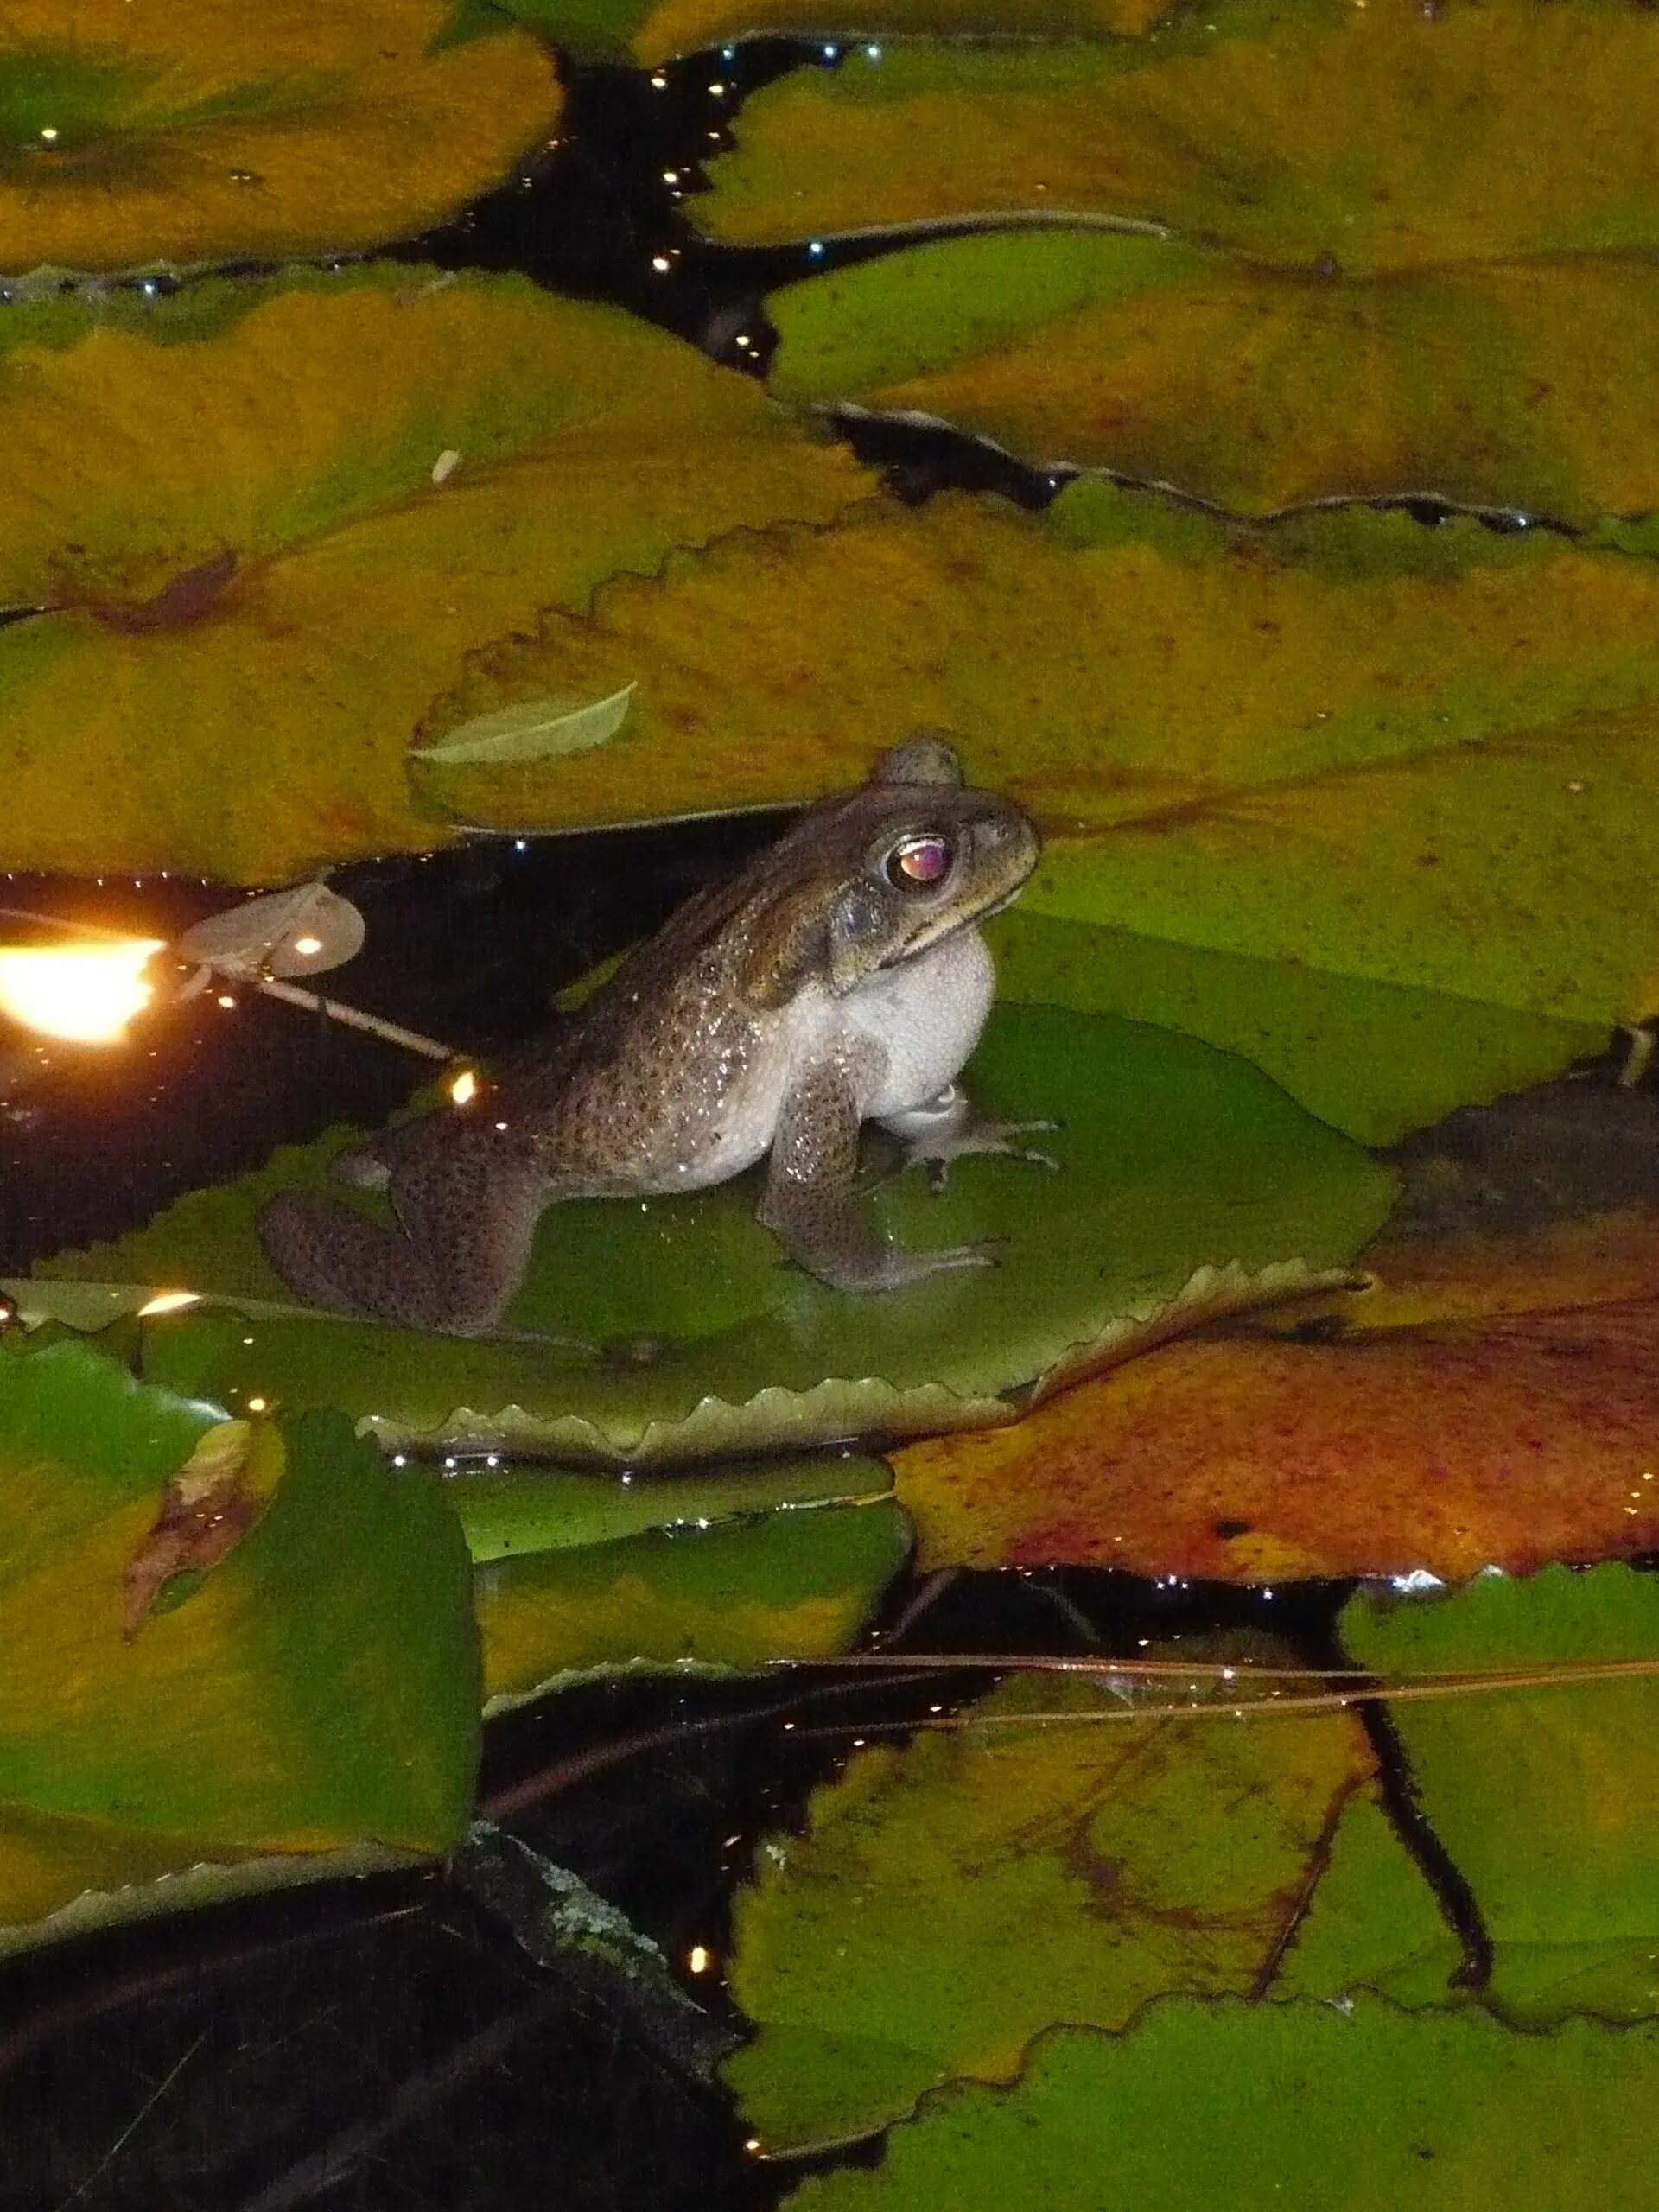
(809, 1200)
(455, 1258)
(947, 1128)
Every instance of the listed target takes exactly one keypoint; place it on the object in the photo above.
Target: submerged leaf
(138, 131)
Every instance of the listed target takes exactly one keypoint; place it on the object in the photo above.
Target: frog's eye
(918, 862)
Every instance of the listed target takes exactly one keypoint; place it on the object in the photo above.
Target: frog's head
(876, 876)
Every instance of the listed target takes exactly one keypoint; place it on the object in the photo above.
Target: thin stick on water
(1238, 1703)
(354, 1018)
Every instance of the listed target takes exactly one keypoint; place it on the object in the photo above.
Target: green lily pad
(1187, 1184)
(134, 131)
(1280, 2108)
(952, 1900)
(1346, 794)
(507, 1513)
(1374, 139)
(1070, 1848)
(1527, 385)
(1372, 1058)
(316, 1691)
(792, 1585)
(244, 556)
(657, 30)
(1568, 1893)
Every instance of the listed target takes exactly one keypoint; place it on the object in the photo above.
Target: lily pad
(952, 1900)
(507, 1513)
(1568, 1890)
(1372, 1058)
(1384, 773)
(281, 467)
(657, 30)
(1067, 1851)
(1374, 139)
(1487, 1399)
(316, 1690)
(1267, 2107)
(134, 131)
(792, 1585)
(1188, 1185)
(1440, 1449)
(1528, 386)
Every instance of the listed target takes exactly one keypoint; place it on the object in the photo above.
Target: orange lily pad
(1518, 1425)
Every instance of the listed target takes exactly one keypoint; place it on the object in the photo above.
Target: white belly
(923, 1018)
(927, 1017)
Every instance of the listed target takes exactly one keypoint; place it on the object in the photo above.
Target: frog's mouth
(920, 945)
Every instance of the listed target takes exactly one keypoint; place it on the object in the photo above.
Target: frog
(837, 979)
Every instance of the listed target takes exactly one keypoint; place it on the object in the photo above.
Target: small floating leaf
(303, 931)
(206, 1508)
(540, 729)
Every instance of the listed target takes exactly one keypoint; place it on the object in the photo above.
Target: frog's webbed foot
(810, 1202)
(947, 1128)
(453, 1262)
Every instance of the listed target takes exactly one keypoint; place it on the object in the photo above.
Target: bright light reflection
(169, 1301)
(464, 1086)
(87, 993)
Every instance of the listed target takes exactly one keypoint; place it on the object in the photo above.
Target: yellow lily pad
(251, 580)
(1351, 749)
(609, 30)
(1388, 137)
(135, 131)
(1531, 384)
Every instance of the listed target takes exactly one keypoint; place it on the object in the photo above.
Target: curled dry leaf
(207, 1510)
(303, 931)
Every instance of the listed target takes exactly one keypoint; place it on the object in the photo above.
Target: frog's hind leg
(453, 1261)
